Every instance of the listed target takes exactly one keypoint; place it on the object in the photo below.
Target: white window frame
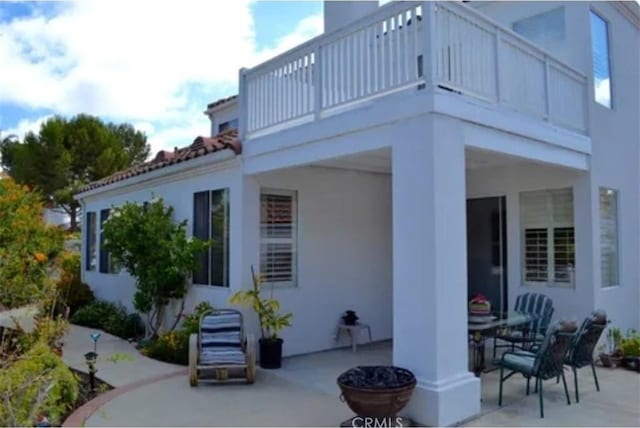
(293, 240)
(616, 196)
(609, 62)
(550, 226)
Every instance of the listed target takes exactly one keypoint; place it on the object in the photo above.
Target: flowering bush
(28, 248)
(32, 377)
(173, 346)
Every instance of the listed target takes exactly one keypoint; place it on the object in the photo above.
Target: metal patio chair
(546, 363)
(540, 308)
(580, 352)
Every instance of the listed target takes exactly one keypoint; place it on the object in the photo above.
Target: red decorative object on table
(479, 306)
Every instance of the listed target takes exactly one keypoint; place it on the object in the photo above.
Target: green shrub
(173, 346)
(38, 381)
(72, 291)
(109, 317)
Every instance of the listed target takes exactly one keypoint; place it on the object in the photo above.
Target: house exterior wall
(615, 164)
(223, 114)
(344, 253)
(179, 194)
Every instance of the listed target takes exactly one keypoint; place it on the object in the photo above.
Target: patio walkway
(304, 393)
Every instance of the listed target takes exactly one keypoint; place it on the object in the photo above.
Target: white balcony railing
(405, 45)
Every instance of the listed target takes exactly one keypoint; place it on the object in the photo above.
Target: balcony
(411, 46)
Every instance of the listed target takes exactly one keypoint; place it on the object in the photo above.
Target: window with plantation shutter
(278, 234)
(211, 222)
(90, 234)
(546, 219)
(609, 237)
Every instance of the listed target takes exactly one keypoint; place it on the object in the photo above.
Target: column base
(445, 402)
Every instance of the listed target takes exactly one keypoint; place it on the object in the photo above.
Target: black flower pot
(270, 353)
(350, 318)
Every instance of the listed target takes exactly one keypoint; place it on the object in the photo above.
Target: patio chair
(580, 353)
(220, 351)
(546, 363)
(540, 308)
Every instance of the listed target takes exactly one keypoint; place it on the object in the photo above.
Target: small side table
(354, 332)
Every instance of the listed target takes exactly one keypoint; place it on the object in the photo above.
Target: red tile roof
(201, 146)
(221, 101)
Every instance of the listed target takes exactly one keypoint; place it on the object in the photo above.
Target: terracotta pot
(377, 401)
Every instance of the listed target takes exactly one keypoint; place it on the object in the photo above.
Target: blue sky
(156, 66)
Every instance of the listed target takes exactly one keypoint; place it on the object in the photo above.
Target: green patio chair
(580, 353)
(540, 308)
(546, 363)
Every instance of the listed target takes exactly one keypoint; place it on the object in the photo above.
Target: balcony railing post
(429, 43)
(243, 123)
(498, 65)
(547, 92)
(317, 82)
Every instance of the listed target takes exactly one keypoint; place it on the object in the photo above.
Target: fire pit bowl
(376, 391)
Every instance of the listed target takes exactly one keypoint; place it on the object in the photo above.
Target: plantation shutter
(104, 254)
(278, 237)
(548, 235)
(609, 237)
(201, 231)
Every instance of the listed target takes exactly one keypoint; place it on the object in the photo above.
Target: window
(90, 255)
(231, 124)
(211, 222)
(278, 233)
(545, 29)
(548, 237)
(106, 265)
(609, 237)
(600, 58)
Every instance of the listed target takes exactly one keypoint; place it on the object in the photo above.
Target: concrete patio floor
(304, 393)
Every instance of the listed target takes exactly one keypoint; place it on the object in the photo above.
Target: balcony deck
(412, 46)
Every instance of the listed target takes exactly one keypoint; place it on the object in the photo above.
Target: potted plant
(612, 358)
(630, 349)
(270, 318)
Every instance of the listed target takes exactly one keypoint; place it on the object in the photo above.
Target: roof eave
(214, 159)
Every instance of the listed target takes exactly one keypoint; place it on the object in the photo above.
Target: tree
(155, 250)
(69, 153)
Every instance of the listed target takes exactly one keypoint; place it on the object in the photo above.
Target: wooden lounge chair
(221, 352)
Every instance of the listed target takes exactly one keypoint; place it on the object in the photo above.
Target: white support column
(430, 273)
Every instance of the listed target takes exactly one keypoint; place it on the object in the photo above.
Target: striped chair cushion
(226, 356)
(220, 339)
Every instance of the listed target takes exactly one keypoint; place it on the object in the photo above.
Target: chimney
(338, 14)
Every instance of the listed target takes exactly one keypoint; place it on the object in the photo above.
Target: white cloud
(24, 126)
(603, 92)
(136, 61)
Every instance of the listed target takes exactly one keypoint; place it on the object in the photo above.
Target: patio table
(479, 331)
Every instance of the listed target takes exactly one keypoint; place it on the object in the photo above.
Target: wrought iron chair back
(581, 351)
(550, 357)
(538, 305)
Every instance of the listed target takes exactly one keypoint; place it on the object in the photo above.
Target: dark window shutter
(104, 254)
(201, 231)
(220, 237)
(90, 236)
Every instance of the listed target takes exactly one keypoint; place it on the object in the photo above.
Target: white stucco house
(411, 156)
